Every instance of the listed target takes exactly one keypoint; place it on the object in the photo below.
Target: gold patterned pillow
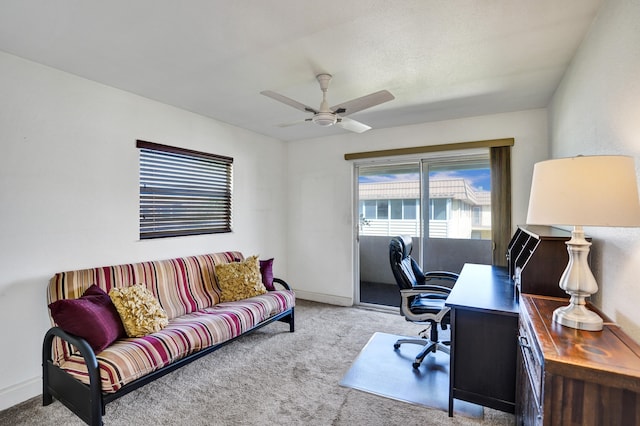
(240, 280)
(140, 312)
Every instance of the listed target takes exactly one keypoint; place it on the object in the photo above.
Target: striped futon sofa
(199, 323)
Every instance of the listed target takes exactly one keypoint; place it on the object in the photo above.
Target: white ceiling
(441, 59)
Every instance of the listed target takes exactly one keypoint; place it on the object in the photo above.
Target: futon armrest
(282, 282)
(82, 345)
(89, 407)
(79, 343)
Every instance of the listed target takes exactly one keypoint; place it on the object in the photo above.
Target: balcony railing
(393, 227)
(447, 254)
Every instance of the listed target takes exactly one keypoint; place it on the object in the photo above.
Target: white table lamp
(583, 191)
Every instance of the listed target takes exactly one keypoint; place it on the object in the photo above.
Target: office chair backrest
(402, 264)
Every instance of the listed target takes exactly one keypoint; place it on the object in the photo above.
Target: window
(369, 209)
(410, 209)
(401, 209)
(396, 209)
(183, 192)
(438, 209)
(383, 209)
(477, 216)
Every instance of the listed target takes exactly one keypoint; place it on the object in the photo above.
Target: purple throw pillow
(92, 317)
(266, 269)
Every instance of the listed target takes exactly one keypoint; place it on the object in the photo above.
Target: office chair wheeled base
(429, 346)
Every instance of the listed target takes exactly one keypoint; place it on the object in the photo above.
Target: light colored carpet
(270, 377)
(381, 370)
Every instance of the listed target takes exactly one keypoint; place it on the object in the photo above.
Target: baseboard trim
(324, 298)
(20, 392)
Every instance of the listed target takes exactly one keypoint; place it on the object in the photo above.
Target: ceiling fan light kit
(325, 119)
(326, 116)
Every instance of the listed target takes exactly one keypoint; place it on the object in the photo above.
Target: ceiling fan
(325, 116)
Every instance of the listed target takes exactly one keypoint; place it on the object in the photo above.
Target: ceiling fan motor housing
(325, 119)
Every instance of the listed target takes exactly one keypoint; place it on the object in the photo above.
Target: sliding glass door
(389, 204)
(443, 202)
(458, 221)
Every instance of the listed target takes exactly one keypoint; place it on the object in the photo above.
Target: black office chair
(421, 302)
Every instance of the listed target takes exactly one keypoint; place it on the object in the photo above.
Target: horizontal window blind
(183, 192)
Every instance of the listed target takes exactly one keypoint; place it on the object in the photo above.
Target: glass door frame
(357, 223)
(422, 161)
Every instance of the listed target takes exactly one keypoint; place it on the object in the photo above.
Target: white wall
(321, 190)
(69, 195)
(596, 110)
(68, 183)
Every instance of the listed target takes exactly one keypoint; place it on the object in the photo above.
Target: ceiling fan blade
(293, 123)
(352, 125)
(280, 98)
(364, 102)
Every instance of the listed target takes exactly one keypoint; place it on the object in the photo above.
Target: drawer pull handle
(523, 342)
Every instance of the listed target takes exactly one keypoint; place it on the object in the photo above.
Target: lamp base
(578, 281)
(578, 316)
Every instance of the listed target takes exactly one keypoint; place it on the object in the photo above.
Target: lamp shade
(585, 191)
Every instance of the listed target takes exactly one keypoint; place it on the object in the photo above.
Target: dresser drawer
(532, 359)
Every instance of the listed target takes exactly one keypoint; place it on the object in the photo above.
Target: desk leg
(452, 360)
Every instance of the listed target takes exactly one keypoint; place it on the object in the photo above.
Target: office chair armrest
(405, 303)
(420, 289)
(441, 275)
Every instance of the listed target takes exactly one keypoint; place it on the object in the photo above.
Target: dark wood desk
(484, 329)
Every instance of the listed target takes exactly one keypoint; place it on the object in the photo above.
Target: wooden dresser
(573, 377)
